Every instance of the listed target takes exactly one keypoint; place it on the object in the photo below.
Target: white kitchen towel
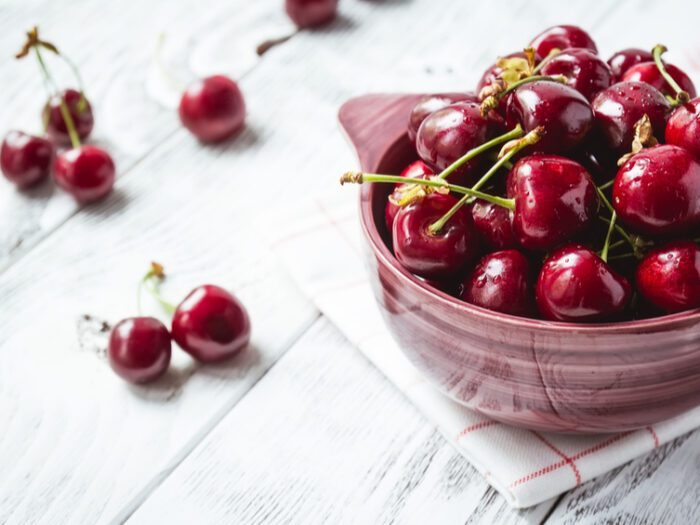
(320, 244)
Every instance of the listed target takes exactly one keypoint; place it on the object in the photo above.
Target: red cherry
(437, 256)
(657, 191)
(494, 224)
(621, 61)
(576, 285)
(311, 13)
(80, 111)
(430, 104)
(555, 200)
(560, 110)
(415, 170)
(585, 70)
(86, 172)
(683, 128)
(213, 108)
(618, 108)
(25, 159)
(139, 349)
(501, 281)
(649, 73)
(562, 37)
(669, 276)
(211, 324)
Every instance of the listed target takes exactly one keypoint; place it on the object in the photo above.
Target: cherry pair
(210, 324)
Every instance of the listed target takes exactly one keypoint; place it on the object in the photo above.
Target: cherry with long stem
(682, 96)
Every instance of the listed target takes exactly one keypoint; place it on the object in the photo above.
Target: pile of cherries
(210, 324)
(590, 212)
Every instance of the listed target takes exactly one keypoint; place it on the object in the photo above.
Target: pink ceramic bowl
(536, 374)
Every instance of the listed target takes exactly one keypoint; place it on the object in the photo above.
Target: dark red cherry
(669, 276)
(430, 104)
(494, 224)
(562, 37)
(683, 127)
(649, 73)
(621, 61)
(583, 68)
(311, 13)
(564, 114)
(415, 170)
(437, 256)
(448, 133)
(86, 172)
(555, 200)
(657, 191)
(576, 285)
(211, 324)
(139, 349)
(25, 159)
(618, 108)
(213, 109)
(80, 111)
(501, 281)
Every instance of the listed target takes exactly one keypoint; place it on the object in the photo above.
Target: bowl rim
(380, 249)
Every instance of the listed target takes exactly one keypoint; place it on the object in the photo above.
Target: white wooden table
(299, 429)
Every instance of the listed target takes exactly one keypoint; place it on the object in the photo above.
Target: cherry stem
(605, 186)
(554, 52)
(151, 281)
(608, 236)
(682, 96)
(265, 46)
(491, 102)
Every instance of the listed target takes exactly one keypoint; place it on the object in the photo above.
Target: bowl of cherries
(533, 244)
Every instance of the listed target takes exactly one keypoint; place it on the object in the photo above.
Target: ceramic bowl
(531, 373)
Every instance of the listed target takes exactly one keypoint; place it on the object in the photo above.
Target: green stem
(552, 53)
(151, 282)
(617, 244)
(515, 85)
(608, 236)
(605, 186)
(681, 96)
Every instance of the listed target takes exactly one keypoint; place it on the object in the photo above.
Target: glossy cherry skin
(448, 133)
(139, 349)
(415, 170)
(562, 37)
(621, 61)
(555, 200)
(669, 277)
(501, 281)
(87, 173)
(683, 127)
(311, 13)
(649, 73)
(213, 109)
(618, 108)
(438, 256)
(25, 159)
(494, 224)
(657, 191)
(80, 110)
(578, 286)
(564, 114)
(430, 104)
(211, 324)
(586, 71)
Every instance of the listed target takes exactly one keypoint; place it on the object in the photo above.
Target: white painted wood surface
(322, 437)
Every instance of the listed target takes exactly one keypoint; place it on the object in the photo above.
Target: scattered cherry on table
(25, 159)
(139, 349)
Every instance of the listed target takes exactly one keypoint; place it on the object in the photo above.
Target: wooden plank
(323, 438)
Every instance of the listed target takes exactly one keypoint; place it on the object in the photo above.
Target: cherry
(562, 37)
(683, 127)
(86, 172)
(575, 284)
(618, 108)
(439, 255)
(621, 61)
(311, 13)
(648, 72)
(555, 200)
(80, 112)
(25, 159)
(669, 276)
(139, 349)
(430, 104)
(213, 109)
(562, 112)
(657, 191)
(500, 281)
(494, 224)
(585, 70)
(415, 170)
(448, 133)
(211, 324)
